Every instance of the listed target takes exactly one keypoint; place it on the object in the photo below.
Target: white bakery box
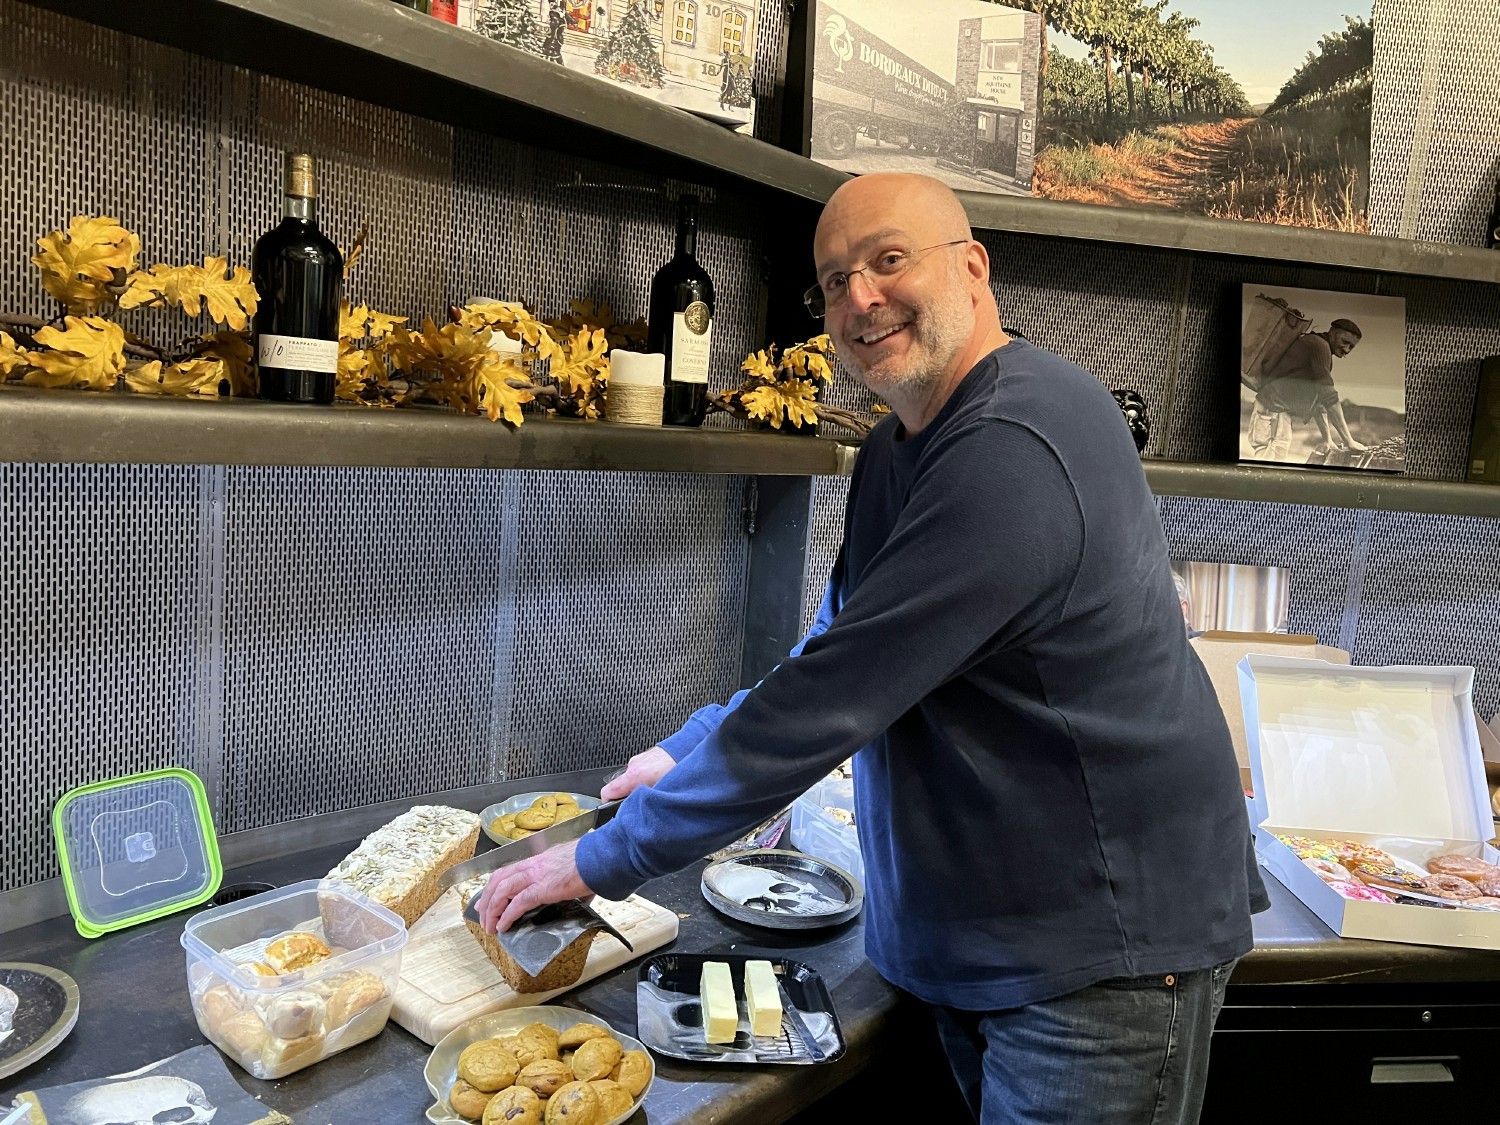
(1386, 756)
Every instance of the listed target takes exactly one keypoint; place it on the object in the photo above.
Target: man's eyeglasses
(834, 289)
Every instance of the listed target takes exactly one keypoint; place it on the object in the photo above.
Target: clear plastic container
(817, 833)
(275, 1025)
(135, 848)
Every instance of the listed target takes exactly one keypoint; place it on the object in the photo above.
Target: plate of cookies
(524, 813)
(543, 1065)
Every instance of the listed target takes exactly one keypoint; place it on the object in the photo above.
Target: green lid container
(136, 848)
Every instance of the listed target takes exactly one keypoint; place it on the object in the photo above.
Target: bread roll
(292, 1015)
(282, 1056)
(353, 995)
(296, 951)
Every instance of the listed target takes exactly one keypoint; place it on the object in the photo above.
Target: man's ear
(977, 264)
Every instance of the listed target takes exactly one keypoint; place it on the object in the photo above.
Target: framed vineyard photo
(1322, 378)
(1258, 112)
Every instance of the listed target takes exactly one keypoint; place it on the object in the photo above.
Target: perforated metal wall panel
(104, 636)
(829, 497)
(1432, 596)
(1112, 312)
(309, 640)
(361, 611)
(1435, 124)
(628, 618)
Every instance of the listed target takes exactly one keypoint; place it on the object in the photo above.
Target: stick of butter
(762, 998)
(721, 1017)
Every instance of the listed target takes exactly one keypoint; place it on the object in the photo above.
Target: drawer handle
(1419, 1071)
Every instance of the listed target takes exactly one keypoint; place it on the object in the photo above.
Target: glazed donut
(1350, 852)
(1463, 866)
(1450, 886)
(1389, 875)
(1360, 891)
(1329, 871)
(1489, 885)
(1483, 902)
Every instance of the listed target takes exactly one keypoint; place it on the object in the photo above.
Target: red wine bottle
(299, 275)
(681, 321)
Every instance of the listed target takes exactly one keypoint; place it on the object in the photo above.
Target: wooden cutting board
(446, 979)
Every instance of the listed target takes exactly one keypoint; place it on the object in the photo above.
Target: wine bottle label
(692, 332)
(298, 353)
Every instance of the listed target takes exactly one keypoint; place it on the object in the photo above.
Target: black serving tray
(669, 1014)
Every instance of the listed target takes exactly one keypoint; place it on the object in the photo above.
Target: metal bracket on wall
(778, 520)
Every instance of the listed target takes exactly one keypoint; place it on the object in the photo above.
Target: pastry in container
(275, 990)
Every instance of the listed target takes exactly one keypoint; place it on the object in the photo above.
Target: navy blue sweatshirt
(1045, 787)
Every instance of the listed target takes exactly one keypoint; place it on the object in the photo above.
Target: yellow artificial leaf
(791, 401)
(584, 314)
(759, 365)
(352, 320)
(381, 324)
(156, 286)
(359, 321)
(579, 361)
(234, 351)
(87, 350)
(11, 357)
(493, 392)
(78, 263)
(356, 251)
(514, 321)
(192, 377)
(227, 292)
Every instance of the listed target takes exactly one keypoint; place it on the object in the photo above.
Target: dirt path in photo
(1180, 179)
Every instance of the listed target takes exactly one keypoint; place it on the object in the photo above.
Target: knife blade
(528, 846)
(800, 1025)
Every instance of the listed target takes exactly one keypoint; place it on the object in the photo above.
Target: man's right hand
(646, 768)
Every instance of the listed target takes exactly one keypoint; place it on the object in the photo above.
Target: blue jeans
(1121, 1052)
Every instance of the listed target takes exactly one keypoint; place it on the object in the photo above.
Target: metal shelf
(385, 53)
(390, 55)
(1326, 488)
(1171, 231)
(78, 426)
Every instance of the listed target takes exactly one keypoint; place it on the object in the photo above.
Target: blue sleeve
(987, 544)
(706, 720)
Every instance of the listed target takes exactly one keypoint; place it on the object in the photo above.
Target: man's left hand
(519, 887)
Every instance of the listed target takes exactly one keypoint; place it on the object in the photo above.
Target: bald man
(1057, 856)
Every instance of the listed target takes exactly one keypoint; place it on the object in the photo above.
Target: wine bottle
(681, 323)
(298, 274)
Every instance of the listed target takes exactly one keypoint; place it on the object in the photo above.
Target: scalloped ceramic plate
(441, 1070)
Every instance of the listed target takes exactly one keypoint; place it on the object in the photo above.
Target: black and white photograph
(1322, 378)
(951, 95)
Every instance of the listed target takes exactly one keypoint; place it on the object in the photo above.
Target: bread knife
(527, 846)
(800, 1025)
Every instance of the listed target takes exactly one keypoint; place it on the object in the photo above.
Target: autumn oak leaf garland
(91, 269)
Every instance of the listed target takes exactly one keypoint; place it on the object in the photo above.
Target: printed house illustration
(694, 41)
(981, 124)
